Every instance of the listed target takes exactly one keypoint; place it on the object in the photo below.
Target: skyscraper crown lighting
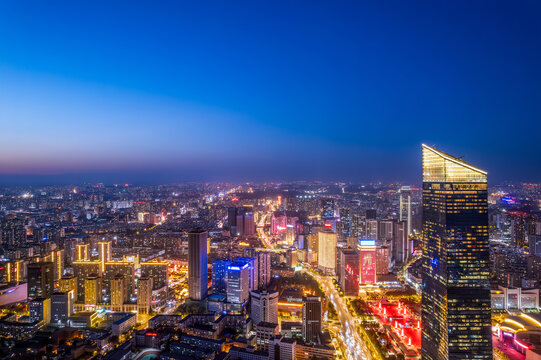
(441, 167)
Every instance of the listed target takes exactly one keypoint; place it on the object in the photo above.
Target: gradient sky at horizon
(177, 91)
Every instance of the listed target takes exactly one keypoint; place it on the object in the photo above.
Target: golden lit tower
(119, 292)
(144, 295)
(326, 254)
(105, 253)
(456, 305)
(82, 252)
(92, 290)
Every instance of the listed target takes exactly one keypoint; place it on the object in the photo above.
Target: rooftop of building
(439, 166)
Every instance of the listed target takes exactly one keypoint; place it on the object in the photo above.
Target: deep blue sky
(255, 90)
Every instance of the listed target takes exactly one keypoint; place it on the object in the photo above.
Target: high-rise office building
(404, 212)
(82, 270)
(126, 269)
(367, 265)
(264, 267)
(219, 275)
(382, 260)
(311, 318)
(252, 271)
(92, 290)
(357, 225)
(69, 283)
(144, 295)
(14, 271)
(232, 220)
(345, 221)
(326, 258)
(456, 304)
(61, 307)
(105, 253)
(238, 287)
(12, 231)
(264, 306)
(265, 332)
(240, 221)
(119, 292)
(40, 279)
(385, 231)
(372, 229)
(401, 246)
(58, 263)
(518, 229)
(197, 264)
(327, 206)
(349, 271)
(40, 310)
(82, 252)
(282, 348)
(245, 224)
(158, 271)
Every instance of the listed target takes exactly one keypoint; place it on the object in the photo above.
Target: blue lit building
(252, 271)
(219, 276)
(238, 278)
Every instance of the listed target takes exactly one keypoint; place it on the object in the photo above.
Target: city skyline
(125, 93)
(270, 180)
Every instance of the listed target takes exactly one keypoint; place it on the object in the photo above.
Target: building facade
(197, 264)
(456, 304)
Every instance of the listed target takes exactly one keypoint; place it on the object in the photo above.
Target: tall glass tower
(456, 294)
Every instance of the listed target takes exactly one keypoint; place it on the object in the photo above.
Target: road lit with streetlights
(355, 348)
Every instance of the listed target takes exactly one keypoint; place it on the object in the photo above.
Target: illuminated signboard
(367, 242)
(367, 266)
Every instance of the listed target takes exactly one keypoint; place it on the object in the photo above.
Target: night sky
(266, 90)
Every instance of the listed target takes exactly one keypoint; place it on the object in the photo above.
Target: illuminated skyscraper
(92, 290)
(197, 264)
(40, 279)
(144, 294)
(252, 271)
(82, 270)
(40, 310)
(349, 271)
(372, 229)
(82, 252)
(345, 221)
(58, 263)
(264, 269)
(219, 275)
(61, 307)
(327, 208)
(127, 269)
(264, 306)
(119, 292)
(158, 272)
(367, 265)
(69, 283)
(401, 246)
(326, 258)
(456, 296)
(405, 206)
(238, 282)
(311, 318)
(105, 253)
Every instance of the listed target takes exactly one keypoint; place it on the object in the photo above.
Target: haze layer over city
(279, 180)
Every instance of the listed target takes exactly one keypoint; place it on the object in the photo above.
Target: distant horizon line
(39, 180)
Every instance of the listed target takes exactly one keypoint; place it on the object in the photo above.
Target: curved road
(356, 348)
